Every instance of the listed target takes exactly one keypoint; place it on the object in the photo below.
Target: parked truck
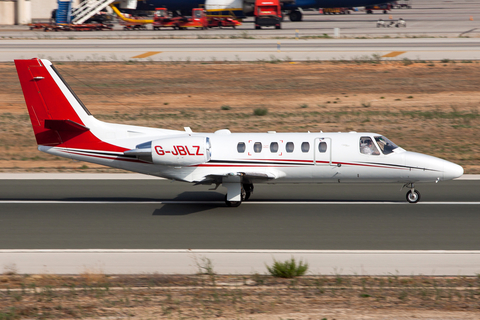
(199, 19)
(268, 13)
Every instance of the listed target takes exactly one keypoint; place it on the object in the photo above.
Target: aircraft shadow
(180, 209)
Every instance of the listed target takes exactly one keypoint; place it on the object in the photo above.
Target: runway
(130, 224)
(159, 214)
(211, 50)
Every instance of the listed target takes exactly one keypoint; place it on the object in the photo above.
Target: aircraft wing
(245, 177)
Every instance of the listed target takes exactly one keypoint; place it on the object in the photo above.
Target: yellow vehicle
(340, 10)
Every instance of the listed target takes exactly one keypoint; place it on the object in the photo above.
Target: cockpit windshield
(160, 13)
(385, 145)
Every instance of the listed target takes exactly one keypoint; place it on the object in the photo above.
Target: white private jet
(64, 127)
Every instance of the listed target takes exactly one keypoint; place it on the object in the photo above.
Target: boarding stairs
(88, 9)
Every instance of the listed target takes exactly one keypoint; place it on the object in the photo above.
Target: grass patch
(287, 269)
(260, 111)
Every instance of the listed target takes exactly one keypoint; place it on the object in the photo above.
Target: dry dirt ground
(260, 297)
(429, 107)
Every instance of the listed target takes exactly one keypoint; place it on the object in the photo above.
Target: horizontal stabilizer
(65, 125)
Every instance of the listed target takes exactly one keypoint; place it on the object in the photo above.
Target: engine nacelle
(181, 151)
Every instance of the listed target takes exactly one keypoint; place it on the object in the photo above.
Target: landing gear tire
(295, 15)
(413, 196)
(247, 190)
(245, 195)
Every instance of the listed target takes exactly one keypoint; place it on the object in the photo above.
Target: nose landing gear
(413, 196)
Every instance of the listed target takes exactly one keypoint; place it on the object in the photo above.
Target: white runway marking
(346, 202)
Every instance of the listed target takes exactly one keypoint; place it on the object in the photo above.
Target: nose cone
(452, 171)
(427, 168)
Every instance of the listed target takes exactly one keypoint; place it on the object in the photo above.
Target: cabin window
(305, 146)
(368, 147)
(274, 147)
(241, 147)
(322, 147)
(257, 147)
(289, 147)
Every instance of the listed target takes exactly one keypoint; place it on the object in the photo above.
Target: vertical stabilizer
(58, 117)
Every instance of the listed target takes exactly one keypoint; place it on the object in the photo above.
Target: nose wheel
(413, 196)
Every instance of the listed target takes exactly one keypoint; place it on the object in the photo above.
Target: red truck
(268, 13)
(162, 19)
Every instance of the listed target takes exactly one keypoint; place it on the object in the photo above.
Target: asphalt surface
(241, 49)
(245, 44)
(151, 214)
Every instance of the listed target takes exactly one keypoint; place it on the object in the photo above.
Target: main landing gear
(413, 196)
(246, 191)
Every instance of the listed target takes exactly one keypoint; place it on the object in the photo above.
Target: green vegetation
(407, 62)
(260, 111)
(288, 269)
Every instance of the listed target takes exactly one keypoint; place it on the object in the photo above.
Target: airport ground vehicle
(400, 4)
(199, 19)
(133, 23)
(336, 10)
(268, 13)
(219, 21)
(162, 19)
(64, 127)
(71, 27)
(385, 7)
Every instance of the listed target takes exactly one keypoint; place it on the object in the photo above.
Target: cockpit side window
(368, 147)
(385, 144)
